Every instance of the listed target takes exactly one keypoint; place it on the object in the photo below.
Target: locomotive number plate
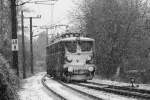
(80, 68)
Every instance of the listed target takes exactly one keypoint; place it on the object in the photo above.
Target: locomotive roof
(75, 38)
(72, 39)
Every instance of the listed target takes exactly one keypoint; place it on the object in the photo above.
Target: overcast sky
(61, 11)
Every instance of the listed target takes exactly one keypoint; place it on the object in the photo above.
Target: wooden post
(31, 46)
(46, 36)
(23, 46)
(14, 38)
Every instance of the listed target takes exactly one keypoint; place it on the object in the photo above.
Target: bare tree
(117, 26)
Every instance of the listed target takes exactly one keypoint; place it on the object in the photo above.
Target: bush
(8, 81)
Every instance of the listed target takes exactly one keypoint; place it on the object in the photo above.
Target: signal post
(14, 38)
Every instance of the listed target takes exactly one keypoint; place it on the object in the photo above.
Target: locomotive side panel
(55, 60)
(49, 60)
(58, 60)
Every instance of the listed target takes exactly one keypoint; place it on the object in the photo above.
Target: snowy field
(140, 86)
(101, 94)
(65, 92)
(32, 89)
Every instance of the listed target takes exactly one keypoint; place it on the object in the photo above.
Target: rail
(91, 97)
(45, 85)
(125, 91)
(81, 92)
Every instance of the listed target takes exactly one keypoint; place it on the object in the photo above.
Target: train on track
(71, 57)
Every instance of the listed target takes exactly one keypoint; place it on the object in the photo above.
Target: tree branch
(29, 1)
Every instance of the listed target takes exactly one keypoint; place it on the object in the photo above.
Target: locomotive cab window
(71, 46)
(86, 45)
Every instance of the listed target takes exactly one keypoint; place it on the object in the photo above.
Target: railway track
(49, 89)
(90, 97)
(125, 91)
(123, 88)
(81, 92)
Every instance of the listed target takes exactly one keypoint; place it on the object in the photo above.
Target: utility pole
(14, 38)
(31, 42)
(31, 45)
(23, 45)
(1, 16)
(46, 36)
(52, 14)
(47, 28)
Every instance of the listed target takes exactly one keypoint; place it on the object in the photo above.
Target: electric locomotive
(71, 57)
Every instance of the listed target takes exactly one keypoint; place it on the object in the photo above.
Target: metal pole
(31, 46)
(1, 17)
(46, 28)
(46, 36)
(14, 38)
(52, 8)
(23, 45)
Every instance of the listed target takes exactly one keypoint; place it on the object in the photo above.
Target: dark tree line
(5, 28)
(122, 39)
(8, 81)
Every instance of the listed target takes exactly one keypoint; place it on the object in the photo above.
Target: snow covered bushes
(121, 31)
(8, 82)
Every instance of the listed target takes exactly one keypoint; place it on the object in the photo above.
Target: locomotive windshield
(86, 45)
(71, 46)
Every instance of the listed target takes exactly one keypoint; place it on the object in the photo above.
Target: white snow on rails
(32, 89)
(101, 94)
(60, 89)
(116, 83)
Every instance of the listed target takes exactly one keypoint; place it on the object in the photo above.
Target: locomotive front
(79, 58)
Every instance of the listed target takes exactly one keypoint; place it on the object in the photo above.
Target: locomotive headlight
(89, 58)
(91, 69)
(68, 59)
(70, 69)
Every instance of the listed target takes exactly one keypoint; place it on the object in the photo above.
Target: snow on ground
(63, 91)
(140, 86)
(32, 89)
(101, 94)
